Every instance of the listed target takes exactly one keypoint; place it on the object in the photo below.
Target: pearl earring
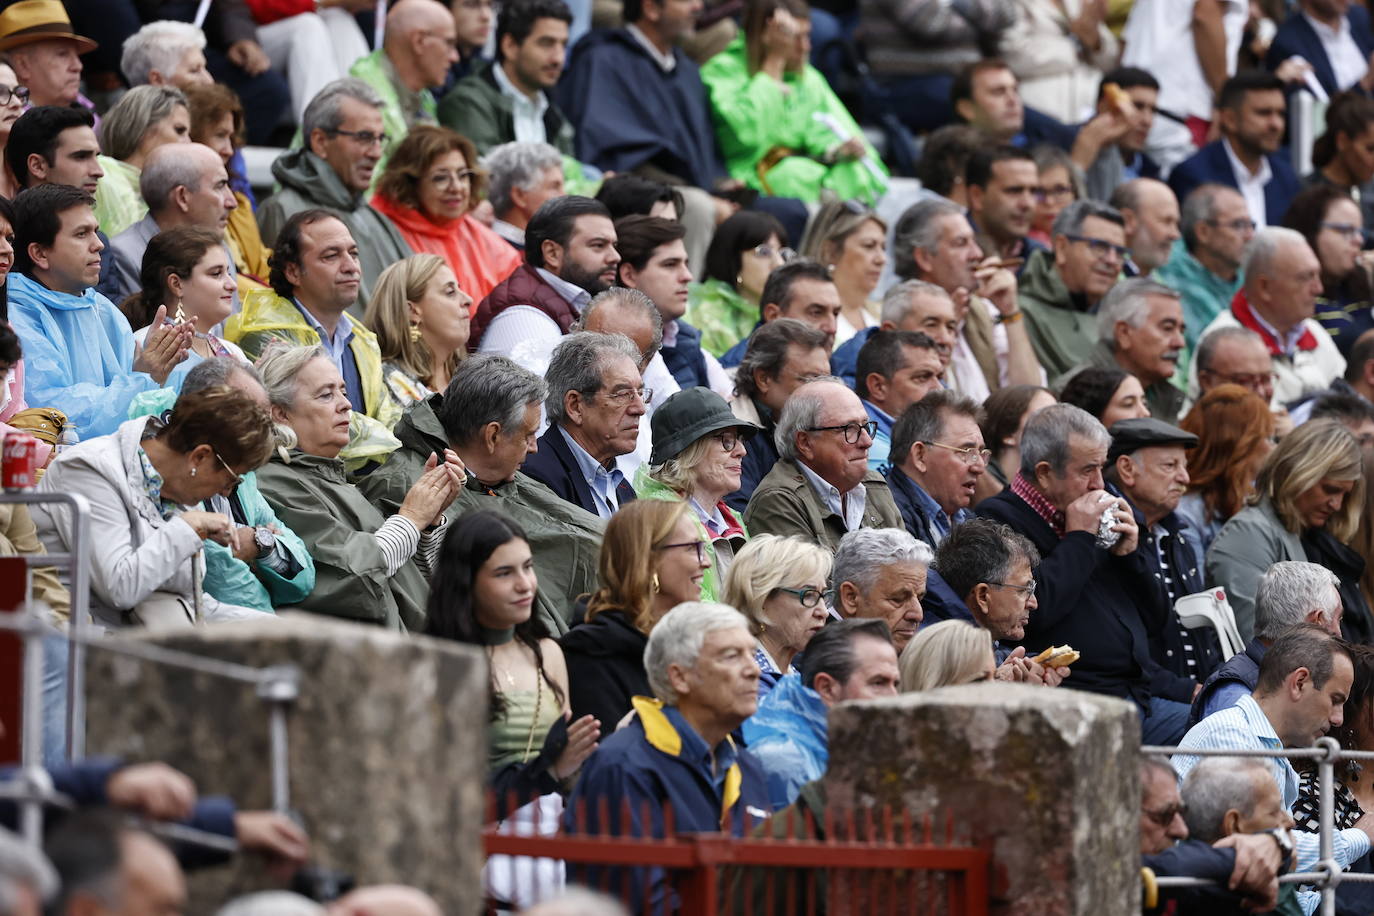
(193, 472)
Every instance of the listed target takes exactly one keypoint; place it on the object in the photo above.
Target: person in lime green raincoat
(781, 128)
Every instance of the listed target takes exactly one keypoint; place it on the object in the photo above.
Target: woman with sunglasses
(778, 583)
(1333, 225)
(429, 189)
(605, 652)
(698, 458)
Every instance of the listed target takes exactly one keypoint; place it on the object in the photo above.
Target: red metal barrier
(870, 862)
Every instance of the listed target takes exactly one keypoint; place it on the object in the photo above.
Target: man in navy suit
(1334, 37)
(595, 403)
(1251, 113)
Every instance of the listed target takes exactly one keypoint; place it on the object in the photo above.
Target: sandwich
(1057, 657)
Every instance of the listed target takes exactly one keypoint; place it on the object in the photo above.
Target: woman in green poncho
(724, 306)
(781, 127)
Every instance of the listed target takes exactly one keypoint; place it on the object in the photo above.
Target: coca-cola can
(19, 467)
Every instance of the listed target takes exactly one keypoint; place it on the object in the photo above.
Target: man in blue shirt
(895, 369)
(677, 750)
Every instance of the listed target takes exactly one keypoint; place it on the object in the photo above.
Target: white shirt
(1159, 38)
(1347, 63)
(661, 381)
(527, 335)
(850, 509)
(1251, 186)
(529, 114)
(666, 62)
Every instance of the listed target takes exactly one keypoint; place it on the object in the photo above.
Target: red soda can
(19, 466)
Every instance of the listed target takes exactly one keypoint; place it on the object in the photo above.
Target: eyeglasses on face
(8, 93)
(968, 455)
(767, 252)
(236, 478)
(1054, 192)
(443, 179)
(728, 439)
(1348, 231)
(700, 547)
(1165, 816)
(1025, 590)
(1102, 248)
(851, 431)
(1235, 225)
(622, 397)
(809, 596)
(365, 137)
(1254, 382)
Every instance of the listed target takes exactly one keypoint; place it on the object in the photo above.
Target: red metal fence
(874, 862)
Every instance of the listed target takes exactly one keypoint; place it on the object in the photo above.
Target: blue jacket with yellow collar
(657, 759)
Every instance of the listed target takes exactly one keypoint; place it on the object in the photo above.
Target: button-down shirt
(603, 482)
(848, 506)
(528, 112)
(940, 523)
(1037, 501)
(666, 62)
(1251, 185)
(1288, 343)
(715, 762)
(340, 353)
(712, 519)
(1348, 65)
(1246, 727)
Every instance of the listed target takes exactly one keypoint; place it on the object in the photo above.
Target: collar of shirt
(1259, 725)
(343, 331)
(1243, 174)
(512, 234)
(941, 522)
(577, 296)
(530, 109)
(714, 761)
(1038, 503)
(669, 335)
(713, 520)
(152, 485)
(1280, 344)
(879, 416)
(604, 482)
(855, 500)
(666, 62)
(1348, 63)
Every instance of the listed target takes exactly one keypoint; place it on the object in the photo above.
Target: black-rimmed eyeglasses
(809, 596)
(851, 430)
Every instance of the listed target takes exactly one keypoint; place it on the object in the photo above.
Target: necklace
(501, 670)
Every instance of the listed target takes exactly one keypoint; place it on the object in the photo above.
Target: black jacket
(759, 460)
(1322, 548)
(940, 602)
(605, 659)
(1166, 643)
(555, 467)
(1103, 605)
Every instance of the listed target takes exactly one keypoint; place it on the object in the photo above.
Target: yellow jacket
(267, 318)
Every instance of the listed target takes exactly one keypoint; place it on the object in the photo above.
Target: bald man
(421, 44)
(183, 185)
(1151, 213)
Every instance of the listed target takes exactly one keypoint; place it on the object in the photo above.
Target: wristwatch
(1285, 841)
(265, 539)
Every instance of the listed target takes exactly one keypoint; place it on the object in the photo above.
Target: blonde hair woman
(779, 584)
(851, 239)
(421, 318)
(653, 558)
(946, 654)
(1307, 503)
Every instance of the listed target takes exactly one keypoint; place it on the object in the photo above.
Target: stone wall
(1047, 779)
(387, 744)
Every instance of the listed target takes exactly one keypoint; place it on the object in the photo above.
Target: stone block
(1046, 779)
(387, 744)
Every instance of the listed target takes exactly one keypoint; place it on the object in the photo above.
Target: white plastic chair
(1211, 609)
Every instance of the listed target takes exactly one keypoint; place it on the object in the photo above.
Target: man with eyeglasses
(332, 170)
(1283, 279)
(595, 404)
(1148, 463)
(1204, 266)
(1251, 111)
(895, 370)
(1093, 589)
(1060, 289)
(782, 356)
(421, 43)
(821, 487)
(845, 660)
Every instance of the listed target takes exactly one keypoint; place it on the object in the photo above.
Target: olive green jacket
(565, 539)
(785, 503)
(313, 497)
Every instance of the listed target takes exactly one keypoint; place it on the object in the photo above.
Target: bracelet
(1009, 317)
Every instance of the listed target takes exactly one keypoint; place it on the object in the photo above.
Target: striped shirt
(1166, 572)
(1245, 726)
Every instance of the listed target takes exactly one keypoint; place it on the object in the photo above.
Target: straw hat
(30, 21)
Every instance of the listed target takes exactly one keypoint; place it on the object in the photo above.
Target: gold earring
(415, 332)
(653, 583)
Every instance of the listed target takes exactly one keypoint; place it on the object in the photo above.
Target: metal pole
(1326, 816)
(279, 688)
(79, 624)
(31, 737)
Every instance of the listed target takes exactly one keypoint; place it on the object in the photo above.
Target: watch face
(265, 539)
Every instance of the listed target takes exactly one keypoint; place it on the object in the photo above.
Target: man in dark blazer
(595, 404)
(1316, 24)
(1250, 110)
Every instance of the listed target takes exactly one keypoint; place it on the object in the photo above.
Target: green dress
(518, 735)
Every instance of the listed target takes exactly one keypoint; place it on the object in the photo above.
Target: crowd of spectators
(708, 368)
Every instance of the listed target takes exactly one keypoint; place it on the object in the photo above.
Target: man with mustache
(1148, 463)
(570, 256)
(1251, 112)
(1140, 329)
(1060, 289)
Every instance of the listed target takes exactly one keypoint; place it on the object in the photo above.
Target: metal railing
(1326, 752)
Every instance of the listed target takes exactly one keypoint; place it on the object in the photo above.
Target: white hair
(1264, 247)
(1289, 591)
(1128, 301)
(864, 552)
(271, 903)
(801, 412)
(898, 301)
(158, 46)
(1217, 785)
(678, 637)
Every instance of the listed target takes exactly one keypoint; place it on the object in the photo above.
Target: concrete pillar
(387, 744)
(1045, 778)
